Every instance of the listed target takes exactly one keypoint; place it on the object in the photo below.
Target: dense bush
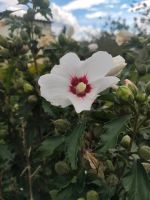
(48, 152)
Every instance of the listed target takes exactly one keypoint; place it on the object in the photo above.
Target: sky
(86, 16)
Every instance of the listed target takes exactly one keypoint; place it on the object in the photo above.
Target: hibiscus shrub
(88, 138)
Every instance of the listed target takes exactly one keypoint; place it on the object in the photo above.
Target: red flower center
(80, 86)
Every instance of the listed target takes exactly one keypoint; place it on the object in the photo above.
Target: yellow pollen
(80, 87)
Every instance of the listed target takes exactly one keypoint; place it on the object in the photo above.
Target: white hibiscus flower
(123, 37)
(78, 82)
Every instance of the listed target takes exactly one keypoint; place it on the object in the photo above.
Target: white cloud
(86, 33)
(110, 6)
(82, 4)
(8, 3)
(62, 17)
(124, 6)
(85, 4)
(96, 15)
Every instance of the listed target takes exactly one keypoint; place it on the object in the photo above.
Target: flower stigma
(79, 86)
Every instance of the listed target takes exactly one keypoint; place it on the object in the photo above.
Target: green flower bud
(3, 41)
(112, 180)
(62, 168)
(109, 166)
(140, 97)
(148, 88)
(146, 167)
(144, 152)
(126, 140)
(81, 198)
(27, 87)
(92, 195)
(45, 4)
(32, 99)
(131, 86)
(15, 107)
(124, 94)
(62, 125)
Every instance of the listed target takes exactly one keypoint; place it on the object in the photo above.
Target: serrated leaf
(48, 147)
(137, 183)
(114, 128)
(74, 144)
(66, 194)
(52, 111)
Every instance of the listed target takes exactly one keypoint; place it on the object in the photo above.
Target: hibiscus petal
(97, 66)
(82, 103)
(118, 63)
(104, 83)
(60, 101)
(52, 86)
(69, 66)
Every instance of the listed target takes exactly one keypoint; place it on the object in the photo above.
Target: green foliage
(137, 183)
(114, 128)
(48, 147)
(51, 153)
(74, 142)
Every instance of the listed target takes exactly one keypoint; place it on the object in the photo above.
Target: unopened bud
(32, 99)
(109, 166)
(27, 87)
(62, 125)
(144, 152)
(140, 97)
(125, 94)
(62, 168)
(81, 198)
(112, 180)
(131, 86)
(126, 140)
(92, 195)
(146, 167)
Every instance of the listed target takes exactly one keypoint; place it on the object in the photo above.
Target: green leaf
(5, 156)
(137, 183)
(48, 147)
(66, 194)
(114, 128)
(74, 144)
(52, 111)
